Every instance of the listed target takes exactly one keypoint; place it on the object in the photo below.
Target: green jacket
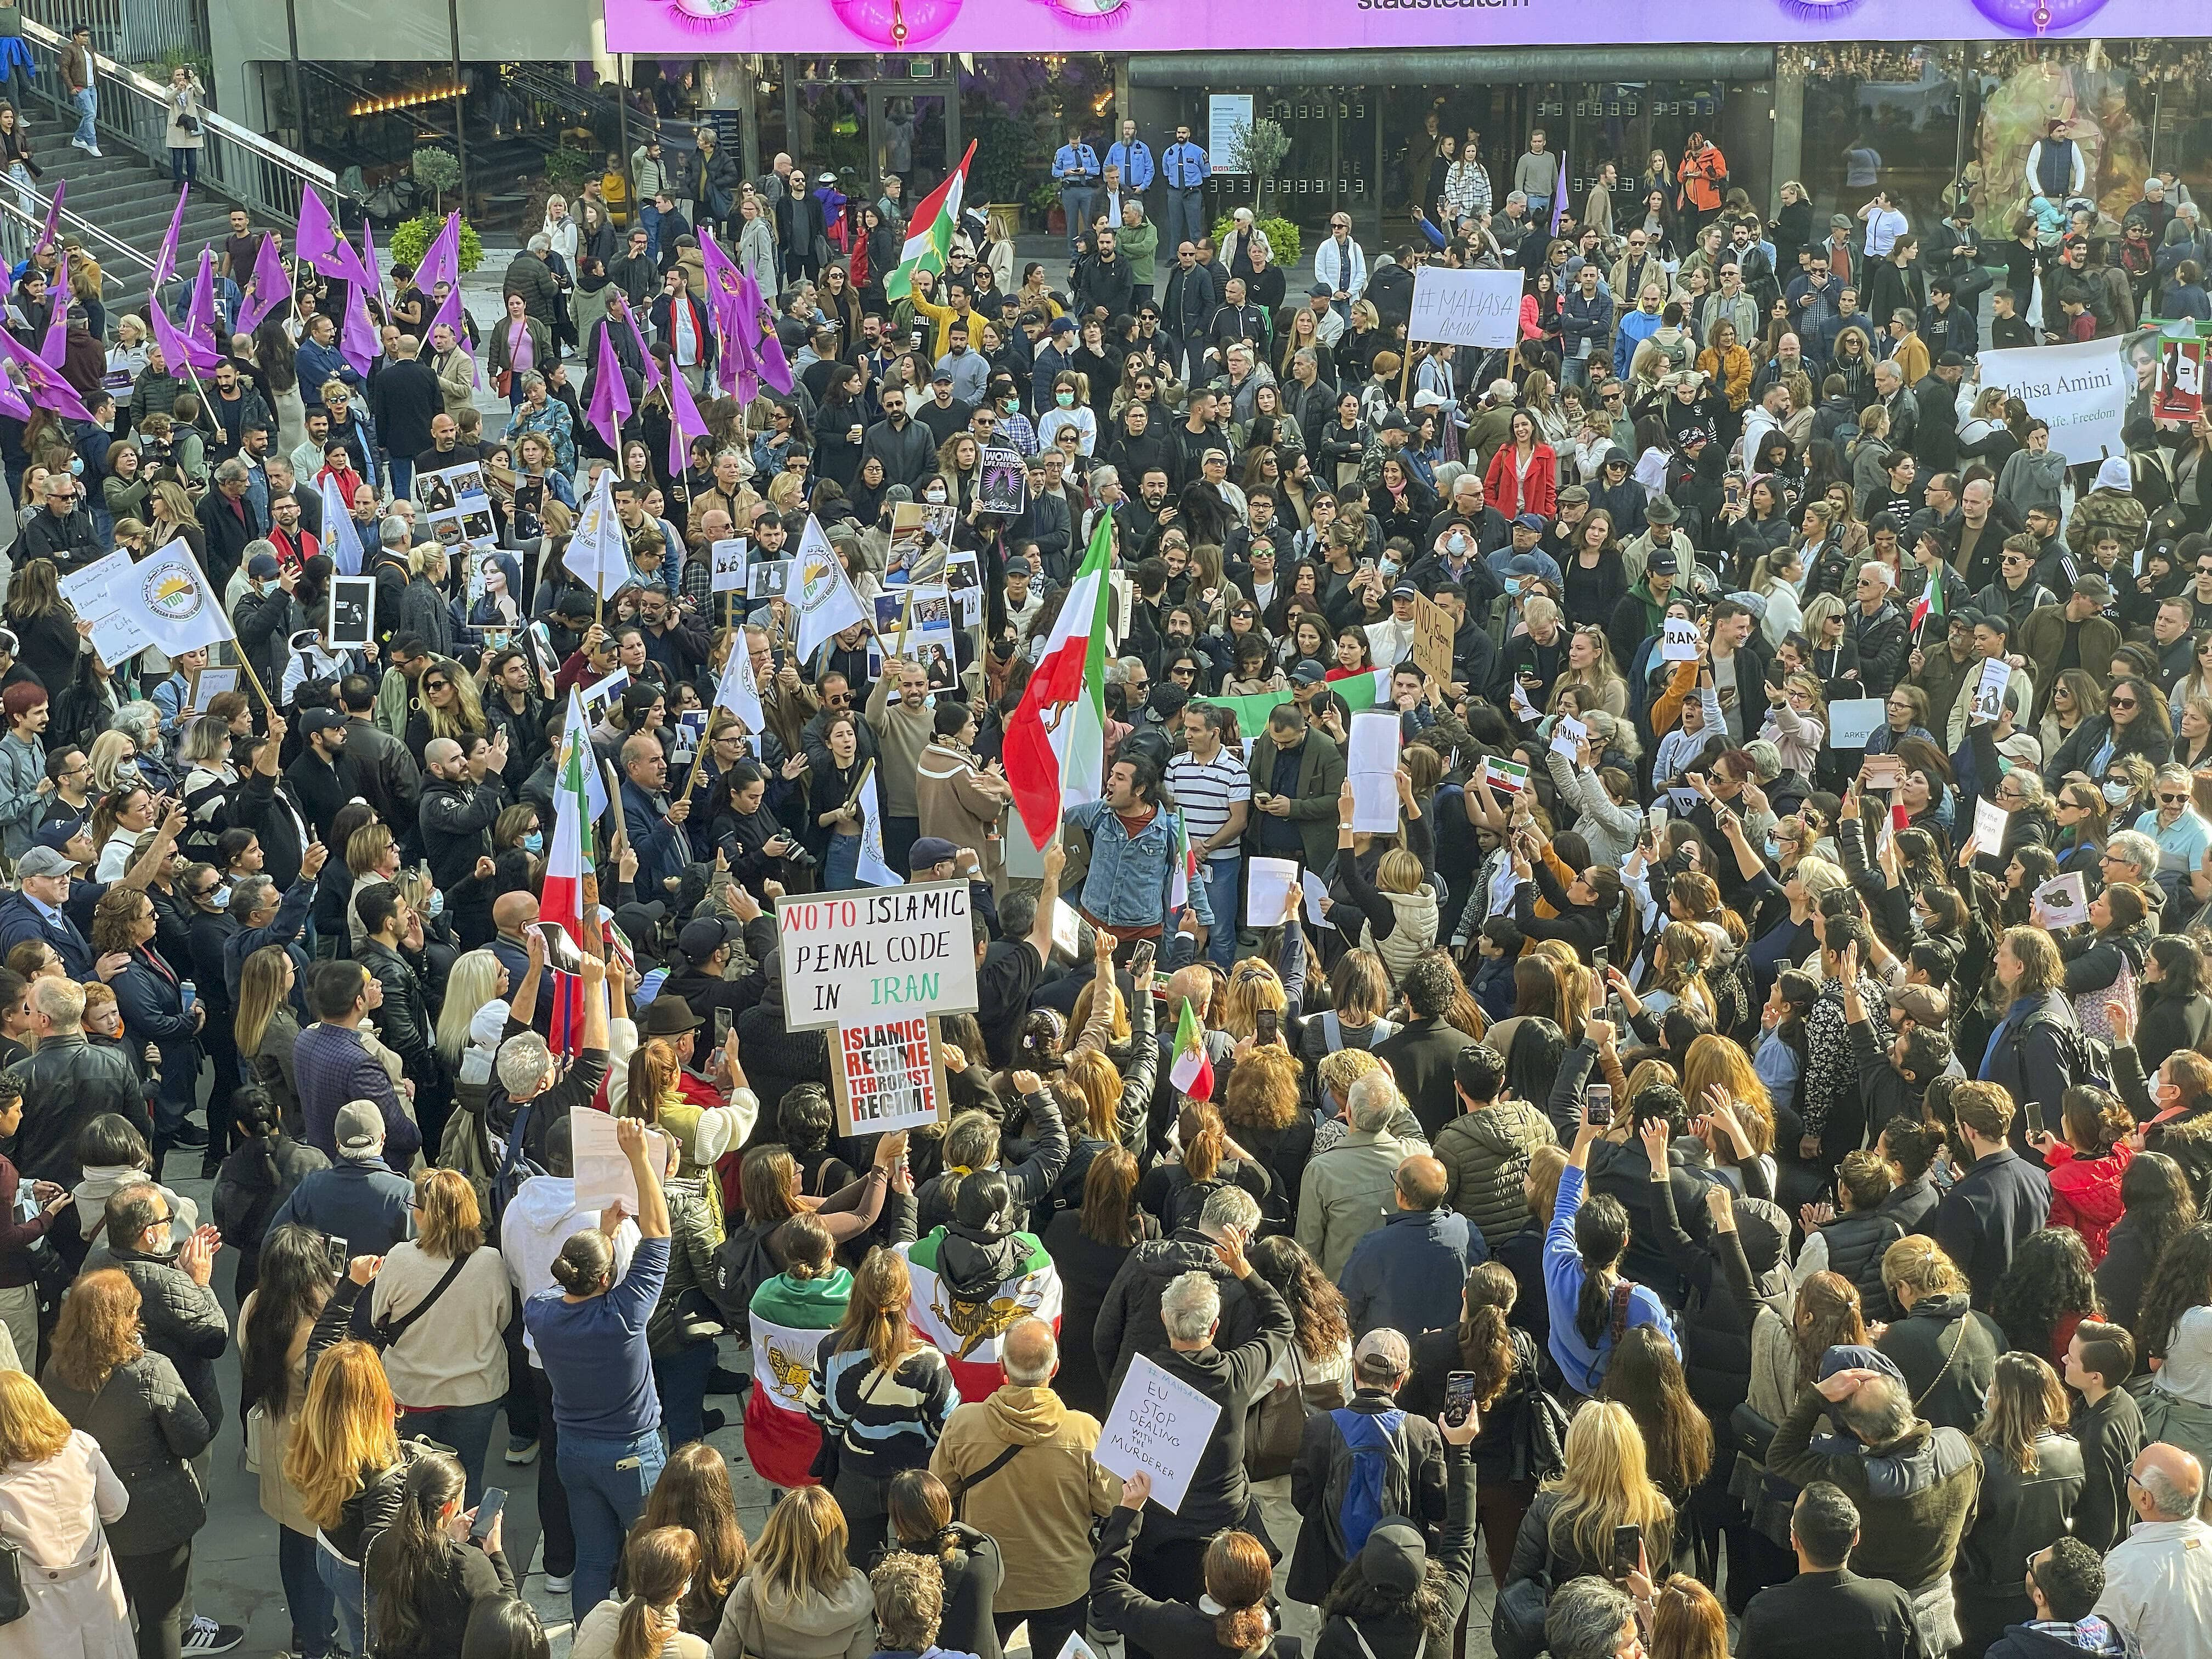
(1912, 1540)
(1139, 245)
(391, 712)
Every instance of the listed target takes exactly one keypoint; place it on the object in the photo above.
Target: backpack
(743, 1263)
(517, 1166)
(1370, 1476)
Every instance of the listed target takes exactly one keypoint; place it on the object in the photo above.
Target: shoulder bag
(960, 1488)
(384, 1332)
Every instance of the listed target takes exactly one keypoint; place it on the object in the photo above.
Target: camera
(800, 857)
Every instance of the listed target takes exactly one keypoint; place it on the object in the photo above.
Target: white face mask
(2115, 792)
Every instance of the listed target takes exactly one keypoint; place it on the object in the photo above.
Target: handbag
(1275, 1425)
(1750, 1434)
(1517, 1627)
(14, 1602)
(189, 125)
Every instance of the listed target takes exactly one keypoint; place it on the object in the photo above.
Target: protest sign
(1465, 307)
(1505, 777)
(1989, 828)
(729, 568)
(94, 593)
(206, 686)
(603, 1172)
(876, 954)
(1432, 639)
(1158, 1424)
(2180, 390)
(1567, 739)
(1316, 891)
(1371, 767)
(600, 697)
(1850, 724)
(2061, 901)
(1680, 643)
(1002, 483)
(352, 614)
(769, 579)
(1989, 692)
(887, 1075)
(2082, 390)
(1269, 884)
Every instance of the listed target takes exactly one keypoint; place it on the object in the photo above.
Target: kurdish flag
(966, 1321)
(1193, 1071)
(1931, 602)
(790, 1318)
(929, 232)
(1063, 762)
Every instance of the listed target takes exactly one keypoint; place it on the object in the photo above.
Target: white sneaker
(204, 1635)
(80, 143)
(558, 1583)
(92, 149)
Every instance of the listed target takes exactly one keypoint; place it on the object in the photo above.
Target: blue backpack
(1370, 1476)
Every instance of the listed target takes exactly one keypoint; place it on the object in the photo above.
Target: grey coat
(150, 1428)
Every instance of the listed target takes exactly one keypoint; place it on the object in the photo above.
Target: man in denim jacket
(1132, 857)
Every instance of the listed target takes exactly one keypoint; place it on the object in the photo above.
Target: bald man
(2158, 1580)
(1024, 1459)
(1408, 1272)
(512, 914)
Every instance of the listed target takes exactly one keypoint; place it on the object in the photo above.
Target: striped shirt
(1206, 790)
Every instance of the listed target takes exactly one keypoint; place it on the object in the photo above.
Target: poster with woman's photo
(769, 579)
(352, 619)
(1002, 486)
(927, 635)
(909, 536)
(458, 508)
(964, 578)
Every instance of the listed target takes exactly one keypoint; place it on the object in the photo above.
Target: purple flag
(53, 349)
(610, 404)
(46, 389)
(724, 285)
(449, 314)
(369, 268)
(201, 318)
(268, 292)
(441, 260)
(683, 418)
(12, 403)
(651, 369)
(1559, 195)
(165, 262)
(358, 342)
(767, 350)
(53, 214)
(317, 241)
(179, 348)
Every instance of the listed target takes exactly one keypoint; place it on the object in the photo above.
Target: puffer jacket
(2085, 1192)
(1486, 1159)
(685, 1292)
(1415, 931)
(1948, 1353)
(1855, 1241)
(1129, 1321)
(1729, 1277)
(183, 1321)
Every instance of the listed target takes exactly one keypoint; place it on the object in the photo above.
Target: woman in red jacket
(2087, 1166)
(1523, 475)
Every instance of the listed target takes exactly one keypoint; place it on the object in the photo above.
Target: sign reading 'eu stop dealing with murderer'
(876, 953)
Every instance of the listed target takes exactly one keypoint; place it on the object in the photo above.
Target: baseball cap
(262, 566)
(1535, 521)
(1924, 1005)
(1663, 564)
(2091, 586)
(359, 1130)
(1524, 564)
(1383, 1345)
(704, 935)
(929, 852)
(1321, 291)
(942, 377)
(1018, 566)
(1950, 360)
(43, 861)
(320, 720)
(1395, 1557)
(1405, 591)
(59, 833)
(1062, 325)
(1395, 421)
(1308, 672)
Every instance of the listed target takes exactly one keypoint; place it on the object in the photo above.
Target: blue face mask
(437, 903)
(534, 841)
(1773, 847)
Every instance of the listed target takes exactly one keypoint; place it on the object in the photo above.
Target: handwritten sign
(1465, 307)
(1158, 1424)
(2063, 901)
(117, 634)
(886, 953)
(1432, 639)
(1989, 828)
(886, 1075)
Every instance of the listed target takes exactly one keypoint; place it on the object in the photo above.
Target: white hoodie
(537, 1222)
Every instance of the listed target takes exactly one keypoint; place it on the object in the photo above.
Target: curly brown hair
(1263, 1090)
(98, 1330)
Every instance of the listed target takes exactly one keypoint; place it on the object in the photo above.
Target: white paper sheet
(1680, 644)
(1158, 1424)
(1989, 828)
(1269, 884)
(603, 1173)
(1316, 891)
(1567, 739)
(1851, 723)
(2063, 901)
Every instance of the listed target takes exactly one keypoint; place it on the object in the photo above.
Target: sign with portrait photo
(351, 620)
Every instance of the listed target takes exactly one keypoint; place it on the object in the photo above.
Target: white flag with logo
(826, 603)
(598, 554)
(872, 869)
(170, 597)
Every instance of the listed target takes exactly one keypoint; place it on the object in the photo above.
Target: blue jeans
(307, 1596)
(841, 866)
(680, 1379)
(349, 1590)
(649, 216)
(402, 476)
(466, 1429)
(1224, 892)
(184, 164)
(1539, 213)
(1575, 371)
(607, 1482)
(87, 106)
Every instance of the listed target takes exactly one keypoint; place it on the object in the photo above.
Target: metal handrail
(87, 232)
(234, 160)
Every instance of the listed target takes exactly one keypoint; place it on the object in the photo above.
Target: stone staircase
(122, 194)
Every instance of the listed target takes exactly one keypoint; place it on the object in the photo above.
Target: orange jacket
(1701, 175)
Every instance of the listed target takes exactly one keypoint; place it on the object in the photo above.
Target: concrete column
(1788, 122)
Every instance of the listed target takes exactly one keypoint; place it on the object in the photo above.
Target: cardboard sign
(1850, 724)
(1158, 1424)
(2063, 901)
(728, 574)
(351, 619)
(876, 954)
(1432, 639)
(1465, 307)
(2179, 390)
(1002, 483)
(887, 1076)
(601, 694)
(1681, 642)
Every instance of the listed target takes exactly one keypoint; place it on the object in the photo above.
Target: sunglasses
(2121, 703)
(2171, 800)
(436, 685)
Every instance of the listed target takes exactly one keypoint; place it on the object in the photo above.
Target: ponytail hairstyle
(1238, 1575)
(922, 1516)
(1601, 1240)
(418, 1558)
(875, 1318)
(1204, 1140)
(2095, 1122)
(803, 1244)
(657, 1565)
(1485, 1344)
(654, 1072)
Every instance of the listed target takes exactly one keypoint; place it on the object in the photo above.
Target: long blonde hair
(260, 994)
(1253, 985)
(347, 1429)
(801, 1554)
(1098, 1082)
(1605, 1485)
(472, 982)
